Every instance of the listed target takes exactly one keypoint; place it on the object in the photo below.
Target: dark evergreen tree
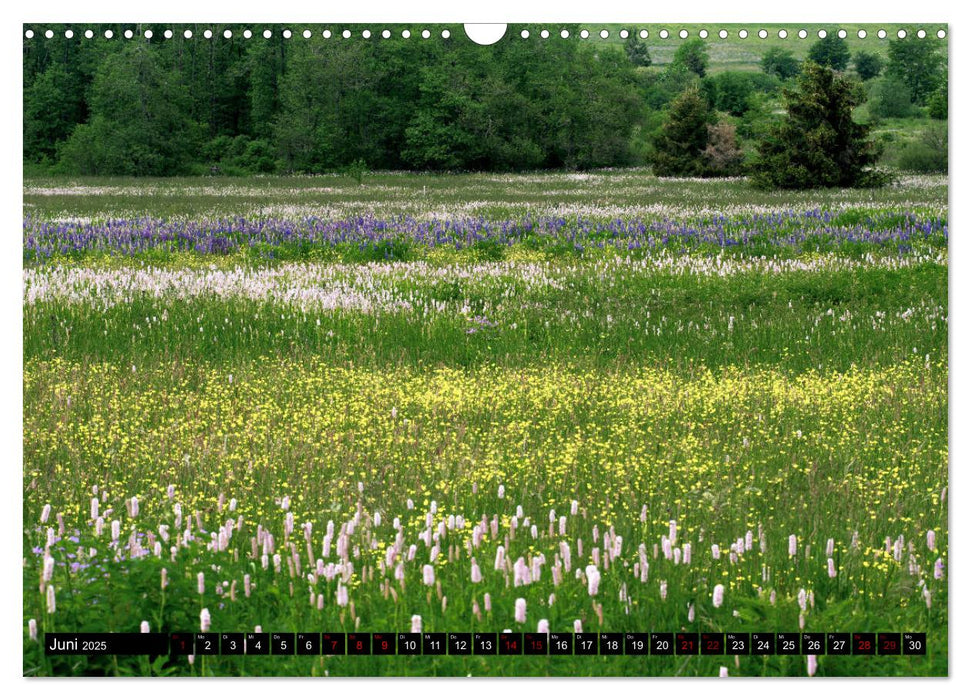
(818, 144)
(680, 145)
(636, 51)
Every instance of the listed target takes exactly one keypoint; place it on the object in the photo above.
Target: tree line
(171, 106)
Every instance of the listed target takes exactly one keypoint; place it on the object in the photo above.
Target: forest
(317, 102)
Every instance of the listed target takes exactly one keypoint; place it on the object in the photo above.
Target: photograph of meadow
(346, 329)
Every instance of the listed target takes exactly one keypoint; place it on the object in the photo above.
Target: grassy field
(598, 401)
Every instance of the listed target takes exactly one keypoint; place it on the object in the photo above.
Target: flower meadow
(362, 414)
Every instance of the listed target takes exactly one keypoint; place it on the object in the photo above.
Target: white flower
(718, 596)
(593, 580)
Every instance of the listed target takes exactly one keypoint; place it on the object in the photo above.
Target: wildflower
(577, 626)
(718, 595)
(830, 545)
(831, 567)
(802, 598)
(52, 601)
(723, 672)
(931, 540)
(520, 610)
(476, 572)
(48, 567)
(691, 612)
(201, 583)
(32, 628)
(487, 602)
(95, 507)
(144, 628)
(939, 569)
(45, 513)
(593, 580)
(811, 664)
(428, 575)
(415, 624)
(715, 552)
(792, 546)
(342, 597)
(664, 590)
(165, 579)
(502, 491)
(205, 620)
(543, 627)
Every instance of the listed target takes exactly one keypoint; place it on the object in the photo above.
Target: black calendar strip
(487, 643)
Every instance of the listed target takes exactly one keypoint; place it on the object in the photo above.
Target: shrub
(937, 105)
(927, 154)
(723, 153)
(780, 63)
(890, 99)
(868, 65)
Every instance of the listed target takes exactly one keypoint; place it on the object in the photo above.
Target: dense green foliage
(680, 145)
(235, 106)
(693, 56)
(927, 153)
(636, 51)
(830, 51)
(890, 98)
(819, 144)
(780, 63)
(919, 64)
(868, 65)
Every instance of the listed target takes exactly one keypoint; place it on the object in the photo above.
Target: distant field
(600, 401)
(737, 53)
